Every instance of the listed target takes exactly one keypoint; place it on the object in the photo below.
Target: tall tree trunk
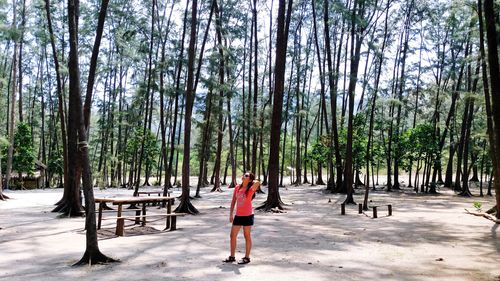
(380, 60)
(78, 142)
(333, 103)
(356, 41)
(217, 166)
(168, 174)
(273, 196)
(21, 44)
(12, 118)
(185, 205)
(255, 119)
(162, 108)
(489, 13)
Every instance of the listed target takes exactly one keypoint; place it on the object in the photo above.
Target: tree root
(67, 211)
(271, 207)
(186, 207)
(3, 196)
(485, 215)
(94, 258)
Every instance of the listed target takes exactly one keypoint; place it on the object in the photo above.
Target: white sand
(311, 241)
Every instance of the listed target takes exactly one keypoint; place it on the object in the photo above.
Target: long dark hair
(249, 184)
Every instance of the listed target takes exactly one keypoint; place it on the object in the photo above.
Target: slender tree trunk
(12, 118)
(255, 125)
(332, 80)
(185, 205)
(164, 155)
(380, 60)
(21, 44)
(168, 174)
(356, 41)
(217, 166)
(273, 196)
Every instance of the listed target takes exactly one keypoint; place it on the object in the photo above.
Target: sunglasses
(246, 175)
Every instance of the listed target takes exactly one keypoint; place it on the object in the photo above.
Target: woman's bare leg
(234, 234)
(248, 240)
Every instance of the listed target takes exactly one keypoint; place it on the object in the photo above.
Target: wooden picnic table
(140, 213)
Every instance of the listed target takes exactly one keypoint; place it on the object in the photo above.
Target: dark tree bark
(21, 44)
(12, 117)
(273, 196)
(217, 166)
(62, 205)
(333, 103)
(401, 85)
(380, 61)
(255, 130)
(162, 106)
(465, 172)
(168, 174)
(185, 205)
(356, 41)
(205, 147)
(489, 13)
(78, 142)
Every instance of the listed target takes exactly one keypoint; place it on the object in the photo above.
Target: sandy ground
(427, 238)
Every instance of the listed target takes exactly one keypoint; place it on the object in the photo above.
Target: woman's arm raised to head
(255, 185)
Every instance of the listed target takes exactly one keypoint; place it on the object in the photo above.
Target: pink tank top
(243, 201)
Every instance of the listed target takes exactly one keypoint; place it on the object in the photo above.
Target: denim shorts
(243, 220)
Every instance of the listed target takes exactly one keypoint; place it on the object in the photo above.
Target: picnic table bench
(159, 193)
(148, 193)
(140, 215)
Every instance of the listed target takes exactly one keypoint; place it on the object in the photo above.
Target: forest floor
(429, 237)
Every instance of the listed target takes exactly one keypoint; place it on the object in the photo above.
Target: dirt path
(427, 238)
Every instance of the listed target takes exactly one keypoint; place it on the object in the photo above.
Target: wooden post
(169, 211)
(360, 208)
(174, 223)
(374, 212)
(389, 209)
(342, 209)
(138, 216)
(120, 222)
(99, 217)
(143, 214)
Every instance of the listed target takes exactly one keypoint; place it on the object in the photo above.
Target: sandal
(230, 259)
(244, 260)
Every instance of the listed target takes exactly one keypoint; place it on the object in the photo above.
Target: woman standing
(242, 198)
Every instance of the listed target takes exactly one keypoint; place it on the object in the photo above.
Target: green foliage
(23, 159)
(477, 205)
(321, 150)
(151, 148)
(4, 144)
(416, 144)
(55, 163)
